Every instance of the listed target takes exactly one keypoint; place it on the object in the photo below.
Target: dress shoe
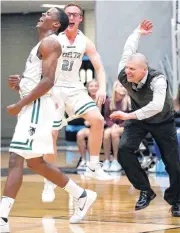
(175, 210)
(144, 199)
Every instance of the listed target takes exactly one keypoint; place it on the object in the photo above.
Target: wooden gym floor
(112, 212)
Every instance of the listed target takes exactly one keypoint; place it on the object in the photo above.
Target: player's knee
(15, 160)
(98, 121)
(34, 163)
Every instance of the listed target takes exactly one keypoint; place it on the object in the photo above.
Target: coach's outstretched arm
(131, 45)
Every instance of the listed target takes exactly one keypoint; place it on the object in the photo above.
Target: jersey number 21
(67, 65)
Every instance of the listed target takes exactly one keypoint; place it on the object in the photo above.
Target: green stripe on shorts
(84, 107)
(22, 145)
(57, 123)
(35, 112)
(90, 106)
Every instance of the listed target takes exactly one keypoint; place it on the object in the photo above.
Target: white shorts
(75, 101)
(33, 133)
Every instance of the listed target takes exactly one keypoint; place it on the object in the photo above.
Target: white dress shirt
(158, 85)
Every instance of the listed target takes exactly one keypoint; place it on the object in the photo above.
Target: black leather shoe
(144, 199)
(175, 210)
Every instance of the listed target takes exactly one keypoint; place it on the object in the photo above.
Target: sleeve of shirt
(159, 87)
(130, 47)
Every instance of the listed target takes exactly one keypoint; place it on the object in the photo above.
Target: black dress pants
(166, 138)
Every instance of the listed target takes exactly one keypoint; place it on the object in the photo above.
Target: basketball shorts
(74, 100)
(33, 132)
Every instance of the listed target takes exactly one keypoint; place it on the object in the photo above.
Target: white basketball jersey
(70, 60)
(33, 72)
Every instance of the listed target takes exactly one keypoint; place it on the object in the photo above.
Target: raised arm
(50, 51)
(132, 42)
(101, 76)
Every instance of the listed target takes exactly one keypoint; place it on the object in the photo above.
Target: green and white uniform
(69, 93)
(33, 133)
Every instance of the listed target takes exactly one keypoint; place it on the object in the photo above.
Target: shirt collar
(141, 83)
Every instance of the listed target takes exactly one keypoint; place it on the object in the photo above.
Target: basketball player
(35, 110)
(71, 95)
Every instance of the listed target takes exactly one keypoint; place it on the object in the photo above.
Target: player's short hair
(63, 19)
(74, 4)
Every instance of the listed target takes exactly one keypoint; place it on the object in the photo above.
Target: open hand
(119, 115)
(146, 27)
(100, 97)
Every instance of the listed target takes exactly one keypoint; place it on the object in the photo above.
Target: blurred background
(107, 24)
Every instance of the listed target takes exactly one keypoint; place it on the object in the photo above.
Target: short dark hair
(74, 4)
(63, 19)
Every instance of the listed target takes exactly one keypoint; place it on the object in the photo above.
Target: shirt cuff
(137, 30)
(140, 115)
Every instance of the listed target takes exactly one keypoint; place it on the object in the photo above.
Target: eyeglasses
(75, 15)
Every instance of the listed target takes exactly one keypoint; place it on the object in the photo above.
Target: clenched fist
(13, 82)
(14, 109)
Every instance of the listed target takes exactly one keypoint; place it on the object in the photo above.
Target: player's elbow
(49, 83)
(99, 68)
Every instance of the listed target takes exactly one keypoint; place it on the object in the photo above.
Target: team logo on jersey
(72, 55)
(71, 47)
(32, 130)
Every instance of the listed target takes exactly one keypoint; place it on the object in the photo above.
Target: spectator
(83, 134)
(114, 128)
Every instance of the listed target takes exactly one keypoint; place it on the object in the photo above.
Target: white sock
(94, 158)
(5, 206)
(73, 189)
(47, 181)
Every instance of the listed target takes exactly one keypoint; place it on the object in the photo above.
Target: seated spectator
(83, 134)
(114, 128)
